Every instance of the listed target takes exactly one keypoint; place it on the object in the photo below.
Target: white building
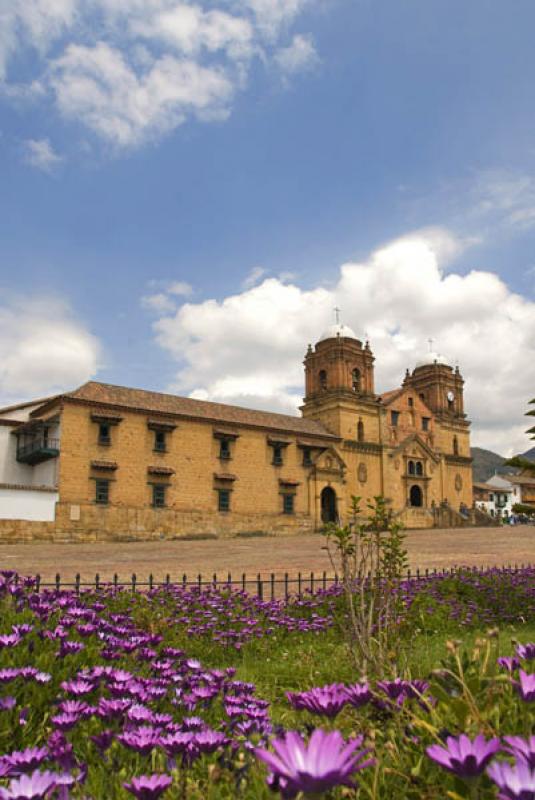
(29, 453)
(500, 496)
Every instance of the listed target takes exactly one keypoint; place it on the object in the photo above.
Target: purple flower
(358, 694)
(143, 740)
(148, 787)
(325, 700)
(30, 787)
(515, 782)
(25, 760)
(327, 762)
(464, 757)
(522, 749)
(7, 703)
(103, 740)
(526, 687)
(526, 651)
(209, 741)
(509, 663)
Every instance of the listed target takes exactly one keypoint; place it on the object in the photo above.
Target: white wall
(12, 472)
(28, 504)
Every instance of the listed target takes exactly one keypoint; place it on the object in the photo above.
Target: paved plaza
(427, 549)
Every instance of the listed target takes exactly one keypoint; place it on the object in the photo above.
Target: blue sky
(249, 148)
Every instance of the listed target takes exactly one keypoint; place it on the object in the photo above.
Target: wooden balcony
(34, 451)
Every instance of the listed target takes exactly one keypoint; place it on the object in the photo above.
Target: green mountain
(486, 464)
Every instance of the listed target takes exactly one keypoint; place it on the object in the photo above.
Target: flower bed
(181, 693)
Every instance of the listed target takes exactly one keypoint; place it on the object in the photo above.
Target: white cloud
(507, 195)
(96, 85)
(133, 70)
(253, 277)
(298, 56)
(40, 154)
(43, 349)
(180, 288)
(248, 348)
(159, 303)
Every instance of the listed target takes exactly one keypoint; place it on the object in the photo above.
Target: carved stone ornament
(397, 463)
(328, 462)
(458, 482)
(362, 473)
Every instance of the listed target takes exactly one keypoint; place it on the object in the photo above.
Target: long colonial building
(107, 461)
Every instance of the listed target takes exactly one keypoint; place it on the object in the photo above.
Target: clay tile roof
(104, 464)
(389, 397)
(105, 394)
(161, 470)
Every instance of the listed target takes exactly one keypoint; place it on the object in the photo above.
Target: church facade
(109, 462)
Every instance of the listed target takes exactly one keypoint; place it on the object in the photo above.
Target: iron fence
(269, 586)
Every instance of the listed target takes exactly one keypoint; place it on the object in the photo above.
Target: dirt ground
(427, 549)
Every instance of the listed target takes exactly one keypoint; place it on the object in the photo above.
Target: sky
(188, 189)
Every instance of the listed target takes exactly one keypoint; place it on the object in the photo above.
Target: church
(107, 462)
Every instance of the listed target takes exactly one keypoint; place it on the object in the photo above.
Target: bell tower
(439, 386)
(339, 379)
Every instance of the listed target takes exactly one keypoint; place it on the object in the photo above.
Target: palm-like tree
(519, 461)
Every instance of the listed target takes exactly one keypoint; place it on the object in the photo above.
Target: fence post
(286, 592)
(184, 580)
(199, 581)
(134, 579)
(58, 581)
(272, 585)
(229, 580)
(37, 583)
(167, 582)
(311, 582)
(151, 582)
(215, 580)
(259, 587)
(324, 581)
(115, 581)
(243, 581)
(299, 583)
(77, 583)
(97, 582)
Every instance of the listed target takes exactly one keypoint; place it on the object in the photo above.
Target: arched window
(455, 446)
(323, 379)
(419, 468)
(355, 380)
(360, 431)
(412, 470)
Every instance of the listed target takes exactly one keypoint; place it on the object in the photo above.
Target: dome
(337, 330)
(432, 358)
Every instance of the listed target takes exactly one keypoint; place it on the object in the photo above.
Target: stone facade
(143, 465)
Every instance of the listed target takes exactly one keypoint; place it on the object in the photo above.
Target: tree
(519, 461)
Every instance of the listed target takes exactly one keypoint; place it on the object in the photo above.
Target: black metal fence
(262, 586)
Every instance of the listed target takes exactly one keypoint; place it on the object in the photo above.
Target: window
(223, 499)
(455, 446)
(288, 503)
(360, 431)
(394, 418)
(355, 380)
(158, 495)
(224, 449)
(411, 402)
(159, 441)
(307, 457)
(104, 435)
(419, 468)
(322, 379)
(277, 455)
(425, 423)
(491, 497)
(102, 492)
(411, 468)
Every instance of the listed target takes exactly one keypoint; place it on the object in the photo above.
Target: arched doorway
(328, 505)
(416, 497)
